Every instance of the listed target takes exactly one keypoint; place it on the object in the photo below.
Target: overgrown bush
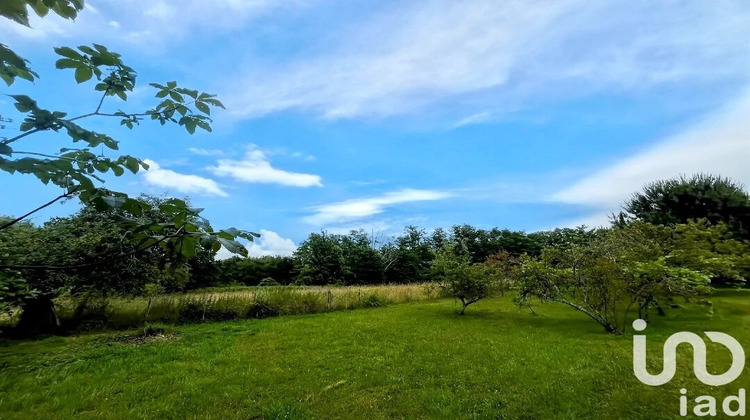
(268, 281)
(212, 309)
(633, 267)
(373, 301)
(469, 283)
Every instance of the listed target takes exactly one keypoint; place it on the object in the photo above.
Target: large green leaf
(83, 74)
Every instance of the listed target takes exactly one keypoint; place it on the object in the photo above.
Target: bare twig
(45, 205)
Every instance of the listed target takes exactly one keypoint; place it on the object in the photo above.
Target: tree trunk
(38, 316)
(81, 308)
(464, 304)
(659, 309)
(148, 310)
(643, 311)
(609, 327)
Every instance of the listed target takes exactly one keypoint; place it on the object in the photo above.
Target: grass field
(413, 360)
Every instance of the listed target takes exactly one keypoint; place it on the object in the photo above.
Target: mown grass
(415, 360)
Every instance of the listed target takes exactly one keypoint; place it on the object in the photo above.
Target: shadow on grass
(558, 321)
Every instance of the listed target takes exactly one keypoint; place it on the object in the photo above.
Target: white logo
(699, 357)
(705, 405)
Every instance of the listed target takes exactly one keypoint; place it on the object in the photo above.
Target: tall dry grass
(233, 303)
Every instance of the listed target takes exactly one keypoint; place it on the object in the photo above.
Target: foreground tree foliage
(639, 266)
(98, 262)
(79, 169)
(14, 290)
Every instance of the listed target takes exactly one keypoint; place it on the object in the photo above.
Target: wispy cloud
(184, 183)
(153, 23)
(423, 53)
(256, 168)
(306, 158)
(358, 208)
(477, 118)
(720, 144)
(205, 152)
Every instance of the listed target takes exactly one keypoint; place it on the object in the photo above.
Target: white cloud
(591, 221)
(152, 23)
(477, 118)
(409, 55)
(720, 144)
(425, 52)
(224, 14)
(344, 211)
(300, 155)
(380, 229)
(205, 152)
(270, 243)
(160, 177)
(255, 168)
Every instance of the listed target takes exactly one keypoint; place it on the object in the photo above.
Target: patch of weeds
(148, 334)
(283, 410)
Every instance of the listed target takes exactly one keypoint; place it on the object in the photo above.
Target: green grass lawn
(415, 360)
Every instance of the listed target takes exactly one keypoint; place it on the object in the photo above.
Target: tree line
(693, 234)
(359, 257)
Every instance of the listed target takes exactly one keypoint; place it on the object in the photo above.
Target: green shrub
(269, 281)
(217, 310)
(191, 312)
(261, 310)
(92, 313)
(373, 301)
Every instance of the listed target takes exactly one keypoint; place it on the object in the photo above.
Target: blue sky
(521, 114)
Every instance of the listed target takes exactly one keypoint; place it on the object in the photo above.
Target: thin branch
(20, 136)
(42, 155)
(101, 101)
(45, 205)
(138, 114)
(91, 114)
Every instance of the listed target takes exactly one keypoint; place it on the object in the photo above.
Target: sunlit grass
(416, 360)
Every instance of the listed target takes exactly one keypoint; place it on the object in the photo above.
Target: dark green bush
(213, 311)
(373, 301)
(191, 312)
(269, 281)
(261, 310)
